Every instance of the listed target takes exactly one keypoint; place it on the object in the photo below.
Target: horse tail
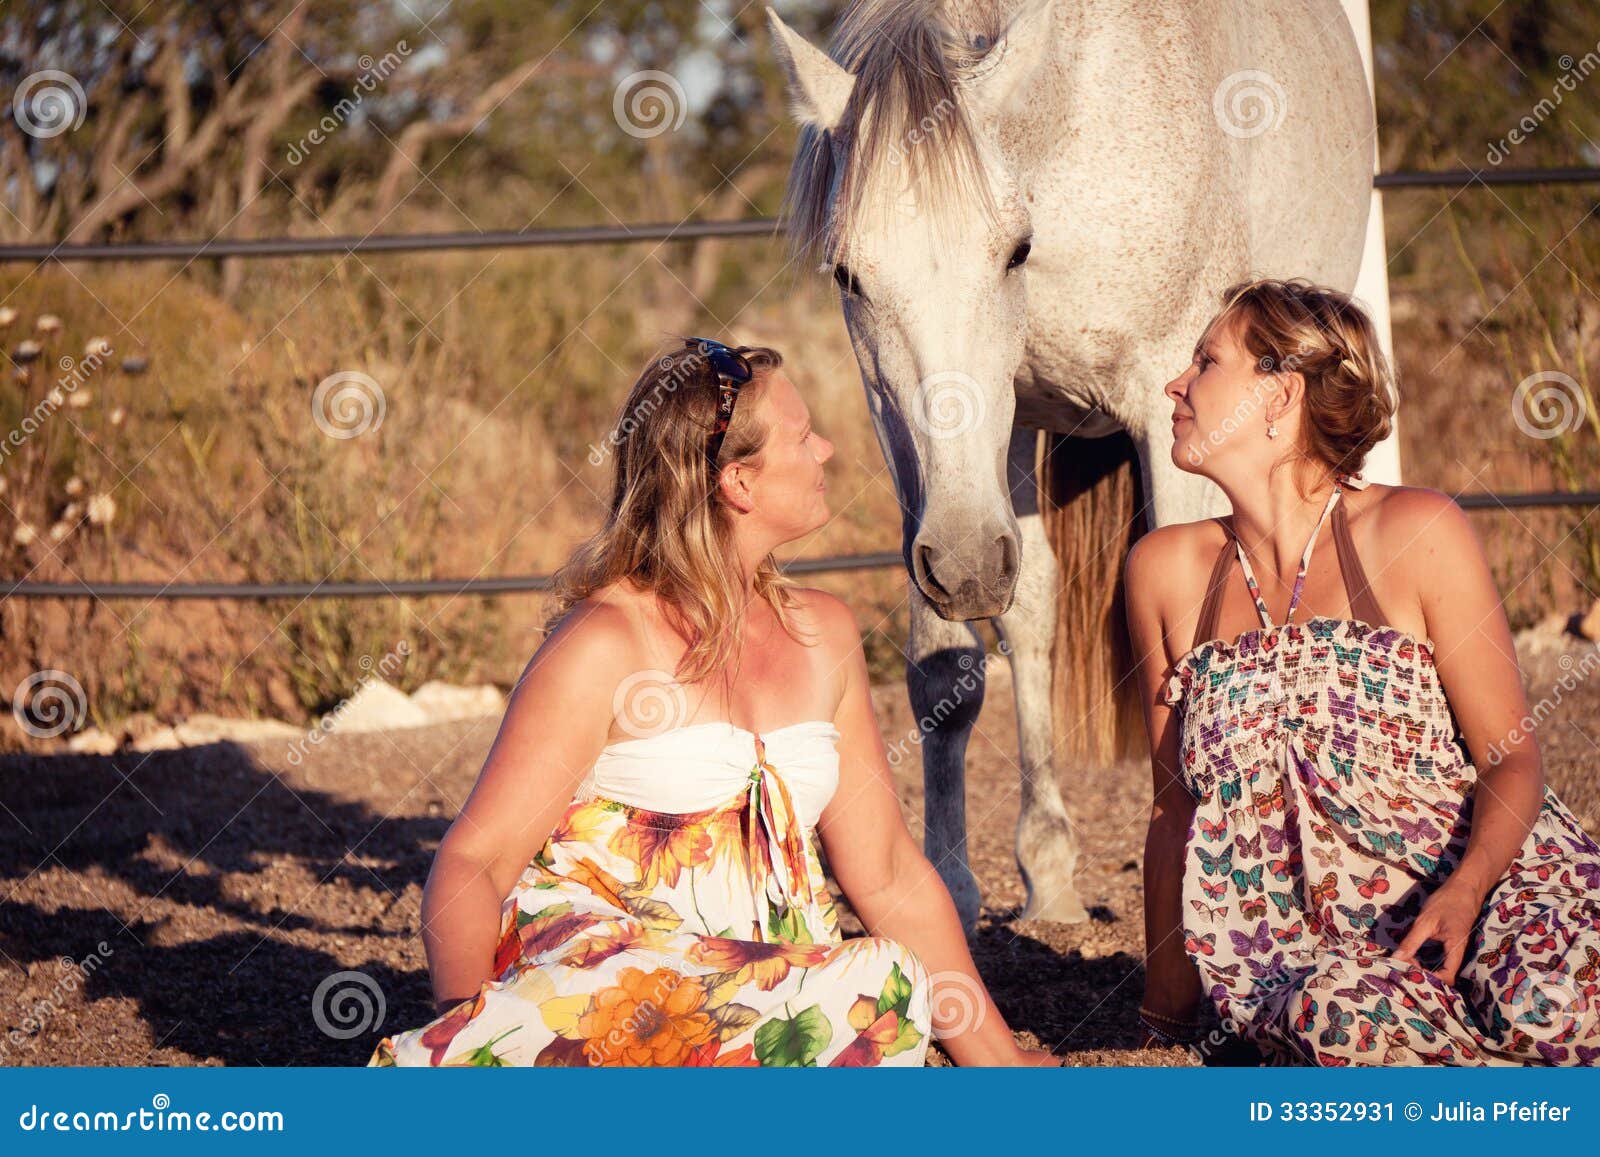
(1092, 500)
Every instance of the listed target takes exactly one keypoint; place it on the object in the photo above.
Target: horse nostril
(1008, 558)
(923, 555)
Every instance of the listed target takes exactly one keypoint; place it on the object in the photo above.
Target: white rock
(206, 728)
(93, 741)
(446, 701)
(162, 740)
(376, 706)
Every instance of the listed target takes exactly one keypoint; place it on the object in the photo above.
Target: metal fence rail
(521, 584)
(512, 584)
(219, 247)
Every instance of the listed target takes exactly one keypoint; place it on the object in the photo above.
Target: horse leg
(1047, 843)
(944, 679)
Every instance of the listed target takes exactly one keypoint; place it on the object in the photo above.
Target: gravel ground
(181, 907)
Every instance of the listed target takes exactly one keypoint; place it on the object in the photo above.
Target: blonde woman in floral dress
(1351, 853)
(635, 877)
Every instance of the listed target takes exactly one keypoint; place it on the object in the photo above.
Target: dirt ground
(182, 907)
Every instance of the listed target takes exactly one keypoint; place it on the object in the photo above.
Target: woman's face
(788, 488)
(1218, 403)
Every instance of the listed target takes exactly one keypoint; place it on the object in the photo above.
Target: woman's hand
(1447, 916)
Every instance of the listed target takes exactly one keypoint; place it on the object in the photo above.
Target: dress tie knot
(774, 843)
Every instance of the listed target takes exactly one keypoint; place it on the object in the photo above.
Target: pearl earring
(1272, 430)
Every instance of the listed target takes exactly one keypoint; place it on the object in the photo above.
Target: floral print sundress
(700, 936)
(1334, 794)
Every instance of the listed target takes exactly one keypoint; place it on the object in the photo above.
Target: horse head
(900, 190)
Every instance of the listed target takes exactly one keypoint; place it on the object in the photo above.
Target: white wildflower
(102, 509)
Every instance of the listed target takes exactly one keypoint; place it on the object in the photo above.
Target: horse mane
(910, 58)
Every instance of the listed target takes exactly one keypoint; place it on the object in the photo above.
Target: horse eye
(1019, 256)
(847, 280)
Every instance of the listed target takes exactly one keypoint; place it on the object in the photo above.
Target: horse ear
(818, 87)
(1014, 57)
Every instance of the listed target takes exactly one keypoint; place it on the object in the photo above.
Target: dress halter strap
(1299, 575)
(1363, 604)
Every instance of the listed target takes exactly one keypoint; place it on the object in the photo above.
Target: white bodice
(701, 765)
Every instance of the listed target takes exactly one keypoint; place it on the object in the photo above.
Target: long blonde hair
(668, 527)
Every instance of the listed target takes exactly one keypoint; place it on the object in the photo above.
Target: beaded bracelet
(1192, 1028)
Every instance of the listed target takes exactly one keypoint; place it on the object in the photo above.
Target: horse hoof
(1063, 908)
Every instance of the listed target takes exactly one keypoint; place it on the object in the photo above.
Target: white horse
(1031, 209)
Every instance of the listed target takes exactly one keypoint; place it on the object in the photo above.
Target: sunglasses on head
(733, 370)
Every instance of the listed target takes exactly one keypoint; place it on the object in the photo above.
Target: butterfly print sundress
(1334, 794)
(678, 914)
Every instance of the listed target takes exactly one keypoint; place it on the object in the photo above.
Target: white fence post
(1372, 286)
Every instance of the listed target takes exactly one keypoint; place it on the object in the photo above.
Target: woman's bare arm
(1477, 665)
(555, 725)
(890, 884)
(1172, 984)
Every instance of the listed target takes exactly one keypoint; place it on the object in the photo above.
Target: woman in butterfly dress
(1352, 854)
(635, 878)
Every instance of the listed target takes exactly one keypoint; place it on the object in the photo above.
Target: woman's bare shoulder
(602, 628)
(828, 616)
(1404, 520)
(1175, 551)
